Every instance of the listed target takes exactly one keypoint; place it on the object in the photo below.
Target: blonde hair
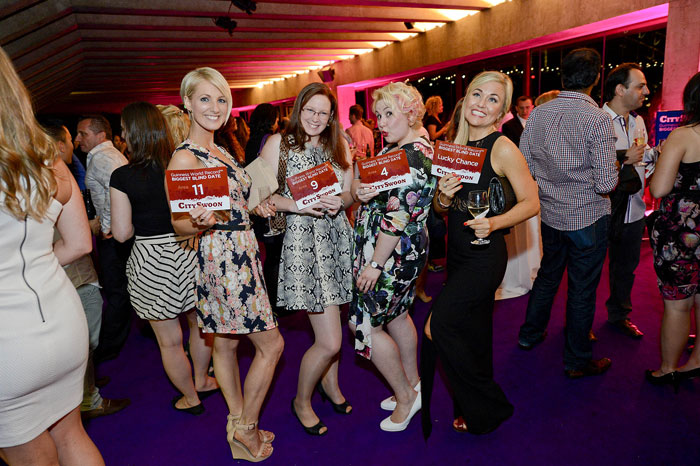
(403, 98)
(213, 77)
(482, 78)
(27, 153)
(178, 122)
(546, 97)
(432, 105)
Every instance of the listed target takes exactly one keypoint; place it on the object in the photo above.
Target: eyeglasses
(309, 113)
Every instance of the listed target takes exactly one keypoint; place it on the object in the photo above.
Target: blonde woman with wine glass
(459, 330)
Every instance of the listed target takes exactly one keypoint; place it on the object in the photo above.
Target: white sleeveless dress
(43, 331)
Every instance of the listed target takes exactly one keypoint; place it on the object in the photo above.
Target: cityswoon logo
(667, 121)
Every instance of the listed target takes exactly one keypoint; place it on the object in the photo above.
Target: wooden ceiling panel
(66, 50)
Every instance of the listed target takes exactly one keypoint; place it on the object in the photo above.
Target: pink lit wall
(645, 17)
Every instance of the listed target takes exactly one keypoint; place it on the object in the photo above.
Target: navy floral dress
(231, 293)
(675, 237)
(399, 212)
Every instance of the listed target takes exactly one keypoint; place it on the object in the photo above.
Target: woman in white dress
(43, 335)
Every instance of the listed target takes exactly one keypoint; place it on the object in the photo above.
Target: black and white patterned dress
(316, 265)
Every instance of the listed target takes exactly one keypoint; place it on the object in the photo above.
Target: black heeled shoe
(687, 375)
(207, 393)
(667, 379)
(313, 430)
(194, 410)
(341, 408)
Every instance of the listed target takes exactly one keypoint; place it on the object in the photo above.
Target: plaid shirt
(569, 145)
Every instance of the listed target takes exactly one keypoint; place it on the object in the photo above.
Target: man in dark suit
(514, 128)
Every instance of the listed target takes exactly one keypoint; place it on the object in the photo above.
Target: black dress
(462, 317)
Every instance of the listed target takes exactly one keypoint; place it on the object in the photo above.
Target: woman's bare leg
(175, 362)
(317, 362)
(675, 327)
(201, 346)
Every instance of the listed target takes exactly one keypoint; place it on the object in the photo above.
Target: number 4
(385, 172)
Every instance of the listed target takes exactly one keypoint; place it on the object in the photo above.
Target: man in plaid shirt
(569, 145)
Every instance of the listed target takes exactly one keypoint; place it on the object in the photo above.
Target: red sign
(386, 171)
(206, 187)
(308, 186)
(465, 162)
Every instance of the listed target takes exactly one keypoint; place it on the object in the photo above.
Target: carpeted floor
(613, 419)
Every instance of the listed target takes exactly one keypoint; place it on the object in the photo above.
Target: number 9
(314, 184)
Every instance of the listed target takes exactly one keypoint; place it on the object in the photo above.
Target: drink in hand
(478, 206)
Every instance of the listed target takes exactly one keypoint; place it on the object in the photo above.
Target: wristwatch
(374, 265)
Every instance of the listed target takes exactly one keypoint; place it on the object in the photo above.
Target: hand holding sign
(309, 186)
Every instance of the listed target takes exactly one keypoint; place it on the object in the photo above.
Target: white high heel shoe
(389, 404)
(390, 426)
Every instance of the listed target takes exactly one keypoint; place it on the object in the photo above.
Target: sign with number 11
(206, 187)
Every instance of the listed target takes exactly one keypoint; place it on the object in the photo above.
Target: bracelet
(342, 202)
(441, 204)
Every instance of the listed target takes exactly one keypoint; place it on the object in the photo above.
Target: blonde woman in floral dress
(391, 249)
(231, 296)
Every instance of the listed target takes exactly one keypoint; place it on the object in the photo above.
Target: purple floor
(616, 418)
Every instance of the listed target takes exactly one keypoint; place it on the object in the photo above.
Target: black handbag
(501, 195)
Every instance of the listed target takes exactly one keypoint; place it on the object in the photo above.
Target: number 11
(201, 189)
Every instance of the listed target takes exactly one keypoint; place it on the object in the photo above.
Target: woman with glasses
(315, 268)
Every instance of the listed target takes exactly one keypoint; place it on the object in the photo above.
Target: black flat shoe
(194, 410)
(207, 393)
(667, 379)
(687, 375)
(313, 430)
(341, 408)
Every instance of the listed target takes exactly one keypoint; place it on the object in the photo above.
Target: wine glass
(264, 195)
(478, 206)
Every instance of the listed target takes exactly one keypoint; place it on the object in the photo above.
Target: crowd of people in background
(582, 168)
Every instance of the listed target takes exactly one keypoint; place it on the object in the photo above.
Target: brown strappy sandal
(240, 451)
(265, 435)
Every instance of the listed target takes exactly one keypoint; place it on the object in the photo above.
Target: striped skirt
(161, 273)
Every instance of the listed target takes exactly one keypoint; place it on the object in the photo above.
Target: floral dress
(675, 237)
(231, 293)
(315, 268)
(399, 212)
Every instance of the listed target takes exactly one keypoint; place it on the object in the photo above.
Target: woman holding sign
(315, 269)
(161, 266)
(231, 296)
(391, 241)
(461, 323)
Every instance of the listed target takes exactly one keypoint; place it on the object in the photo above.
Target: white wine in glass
(478, 206)
(263, 195)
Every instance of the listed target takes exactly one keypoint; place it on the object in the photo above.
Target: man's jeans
(582, 252)
(91, 299)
